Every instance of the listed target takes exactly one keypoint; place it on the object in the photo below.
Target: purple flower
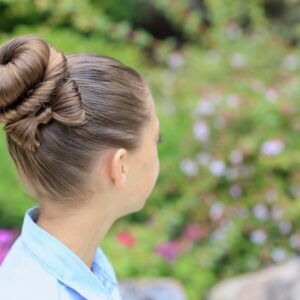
(216, 211)
(7, 238)
(258, 236)
(189, 167)
(235, 190)
(217, 167)
(272, 147)
(201, 131)
(236, 156)
(168, 250)
(206, 107)
(261, 212)
(295, 241)
(285, 227)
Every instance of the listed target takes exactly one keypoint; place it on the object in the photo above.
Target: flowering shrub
(7, 238)
(227, 198)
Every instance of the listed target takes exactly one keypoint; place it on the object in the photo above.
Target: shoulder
(23, 277)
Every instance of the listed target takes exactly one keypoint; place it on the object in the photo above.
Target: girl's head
(78, 127)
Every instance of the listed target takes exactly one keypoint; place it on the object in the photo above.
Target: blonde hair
(60, 111)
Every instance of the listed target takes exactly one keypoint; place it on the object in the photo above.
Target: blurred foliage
(141, 20)
(227, 197)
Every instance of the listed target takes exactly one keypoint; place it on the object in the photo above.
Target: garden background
(225, 78)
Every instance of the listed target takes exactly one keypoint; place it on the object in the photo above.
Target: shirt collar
(63, 263)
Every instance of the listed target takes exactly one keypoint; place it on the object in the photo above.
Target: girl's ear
(118, 168)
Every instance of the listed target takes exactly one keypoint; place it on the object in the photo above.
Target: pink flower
(194, 232)
(7, 238)
(3, 253)
(126, 238)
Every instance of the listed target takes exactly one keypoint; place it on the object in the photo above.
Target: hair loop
(33, 75)
(45, 116)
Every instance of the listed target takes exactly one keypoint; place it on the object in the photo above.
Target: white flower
(189, 167)
(217, 167)
(278, 254)
(290, 62)
(261, 212)
(285, 227)
(258, 236)
(236, 156)
(201, 131)
(272, 147)
(205, 107)
(237, 60)
(216, 211)
(175, 60)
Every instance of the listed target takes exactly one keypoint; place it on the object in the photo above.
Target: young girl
(82, 131)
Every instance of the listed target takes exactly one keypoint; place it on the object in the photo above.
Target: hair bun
(32, 73)
(23, 63)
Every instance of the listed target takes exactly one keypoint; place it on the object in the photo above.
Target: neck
(81, 230)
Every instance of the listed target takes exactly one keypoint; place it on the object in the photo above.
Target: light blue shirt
(40, 267)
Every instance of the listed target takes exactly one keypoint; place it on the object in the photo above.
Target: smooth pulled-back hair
(60, 111)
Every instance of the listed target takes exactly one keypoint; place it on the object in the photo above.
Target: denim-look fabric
(40, 267)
